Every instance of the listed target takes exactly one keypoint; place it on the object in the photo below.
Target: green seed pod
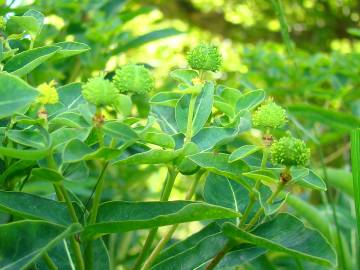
(205, 57)
(99, 92)
(134, 78)
(289, 151)
(269, 115)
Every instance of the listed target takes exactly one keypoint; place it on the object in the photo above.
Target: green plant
(66, 136)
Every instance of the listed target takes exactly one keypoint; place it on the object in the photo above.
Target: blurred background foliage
(304, 53)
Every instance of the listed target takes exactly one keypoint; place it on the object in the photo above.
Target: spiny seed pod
(205, 57)
(289, 151)
(134, 78)
(48, 93)
(269, 115)
(99, 91)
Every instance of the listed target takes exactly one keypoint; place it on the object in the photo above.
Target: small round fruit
(205, 57)
(134, 79)
(269, 115)
(99, 91)
(289, 151)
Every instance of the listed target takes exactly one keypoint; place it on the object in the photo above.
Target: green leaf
(202, 109)
(69, 48)
(69, 119)
(123, 104)
(39, 19)
(285, 233)
(152, 156)
(33, 239)
(18, 168)
(166, 118)
(355, 157)
(31, 206)
(243, 152)
(24, 62)
(219, 190)
(119, 130)
(339, 178)
(184, 76)
(211, 137)
(60, 137)
(28, 137)
(75, 150)
(19, 24)
(219, 163)
(119, 216)
(165, 99)
(250, 100)
(46, 174)
(313, 181)
(160, 139)
(15, 94)
(25, 154)
(337, 120)
(148, 37)
(265, 176)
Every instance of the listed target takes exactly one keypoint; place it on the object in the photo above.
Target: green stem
(169, 183)
(49, 262)
(173, 228)
(188, 134)
(214, 262)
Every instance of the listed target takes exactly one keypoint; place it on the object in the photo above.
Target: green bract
(290, 151)
(269, 115)
(205, 57)
(134, 78)
(99, 92)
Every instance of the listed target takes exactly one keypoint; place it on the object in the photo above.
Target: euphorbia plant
(201, 130)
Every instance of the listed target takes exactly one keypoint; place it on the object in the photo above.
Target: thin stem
(49, 262)
(169, 184)
(219, 256)
(188, 134)
(173, 228)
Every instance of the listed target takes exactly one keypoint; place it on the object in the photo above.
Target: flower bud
(289, 151)
(134, 78)
(204, 57)
(48, 93)
(269, 115)
(99, 91)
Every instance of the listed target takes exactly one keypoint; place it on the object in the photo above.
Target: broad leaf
(250, 100)
(119, 130)
(15, 94)
(28, 137)
(160, 139)
(119, 216)
(152, 156)
(166, 119)
(243, 152)
(287, 234)
(219, 163)
(24, 62)
(46, 174)
(185, 76)
(69, 48)
(24, 242)
(31, 206)
(211, 137)
(165, 99)
(312, 180)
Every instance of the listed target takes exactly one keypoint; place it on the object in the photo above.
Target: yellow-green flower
(48, 93)
(289, 151)
(205, 57)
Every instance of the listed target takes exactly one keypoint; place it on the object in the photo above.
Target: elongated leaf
(210, 137)
(153, 156)
(18, 168)
(120, 130)
(166, 119)
(127, 216)
(75, 150)
(250, 100)
(161, 139)
(63, 135)
(28, 137)
(184, 76)
(69, 48)
(334, 119)
(24, 62)
(165, 99)
(202, 109)
(355, 156)
(24, 154)
(287, 234)
(15, 94)
(31, 206)
(46, 174)
(218, 163)
(243, 151)
(19, 24)
(339, 178)
(312, 180)
(23, 242)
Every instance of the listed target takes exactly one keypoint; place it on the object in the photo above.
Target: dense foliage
(203, 162)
